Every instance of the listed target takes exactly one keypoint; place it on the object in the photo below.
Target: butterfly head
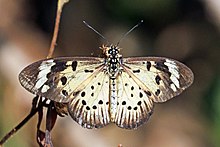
(111, 51)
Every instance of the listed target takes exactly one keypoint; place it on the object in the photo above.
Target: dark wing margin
(161, 77)
(56, 78)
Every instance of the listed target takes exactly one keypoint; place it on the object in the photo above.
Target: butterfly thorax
(113, 60)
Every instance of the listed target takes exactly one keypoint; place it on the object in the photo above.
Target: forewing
(59, 78)
(134, 104)
(163, 78)
(90, 107)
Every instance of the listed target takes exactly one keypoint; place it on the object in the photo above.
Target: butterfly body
(98, 91)
(113, 60)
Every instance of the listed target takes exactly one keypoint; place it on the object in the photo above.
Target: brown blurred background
(186, 30)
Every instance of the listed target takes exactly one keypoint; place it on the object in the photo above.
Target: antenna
(90, 27)
(134, 27)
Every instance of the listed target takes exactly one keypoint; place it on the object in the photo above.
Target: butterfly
(97, 91)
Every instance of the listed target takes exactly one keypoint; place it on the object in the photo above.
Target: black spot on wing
(157, 92)
(139, 103)
(74, 65)
(58, 66)
(83, 94)
(100, 102)
(162, 67)
(94, 107)
(148, 65)
(124, 103)
(83, 102)
(157, 79)
(140, 95)
(64, 92)
(87, 70)
(52, 80)
(63, 80)
(87, 108)
(136, 71)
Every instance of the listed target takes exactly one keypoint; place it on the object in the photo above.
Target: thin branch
(56, 27)
(23, 122)
(36, 108)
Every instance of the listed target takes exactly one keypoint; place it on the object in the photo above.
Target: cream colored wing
(162, 78)
(134, 103)
(90, 106)
(58, 79)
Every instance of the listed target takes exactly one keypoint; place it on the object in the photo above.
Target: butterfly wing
(80, 82)
(146, 80)
(90, 107)
(58, 78)
(134, 104)
(84, 85)
(162, 77)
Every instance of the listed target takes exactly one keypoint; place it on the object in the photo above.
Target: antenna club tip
(142, 20)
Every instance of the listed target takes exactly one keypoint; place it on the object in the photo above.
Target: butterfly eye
(110, 51)
(113, 51)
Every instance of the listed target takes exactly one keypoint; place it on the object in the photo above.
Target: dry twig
(37, 107)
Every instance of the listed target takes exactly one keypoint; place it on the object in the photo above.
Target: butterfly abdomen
(113, 98)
